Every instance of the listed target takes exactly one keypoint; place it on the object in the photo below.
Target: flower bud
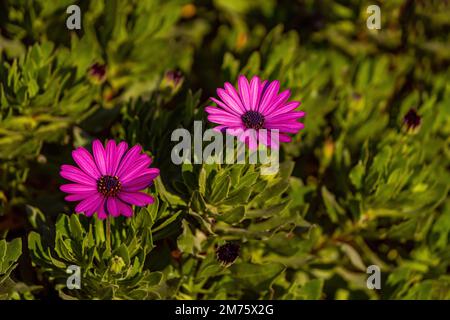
(117, 264)
(173, 79)
(412, 120)
(228, 253)
(97, 72)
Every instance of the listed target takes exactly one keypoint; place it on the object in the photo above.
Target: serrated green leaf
(232, 216)
(259, 277)
(186, 240)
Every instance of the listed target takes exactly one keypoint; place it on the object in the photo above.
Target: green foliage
(112, 265)
(10, 253)
(32, 86)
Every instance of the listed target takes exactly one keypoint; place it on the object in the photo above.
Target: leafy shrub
(359, 186)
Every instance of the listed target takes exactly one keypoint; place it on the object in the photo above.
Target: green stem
(108, 234)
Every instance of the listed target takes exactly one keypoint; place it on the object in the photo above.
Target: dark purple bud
(228, 253)
(356, 96)
(412, 119)
(98, 71)
(174, 77)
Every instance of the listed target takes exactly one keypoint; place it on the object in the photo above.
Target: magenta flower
(257, 105)
(110, 181)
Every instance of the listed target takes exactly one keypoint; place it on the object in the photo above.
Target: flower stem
(108, 234)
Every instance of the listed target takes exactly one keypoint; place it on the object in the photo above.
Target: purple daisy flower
(256, 105)
(110, 181)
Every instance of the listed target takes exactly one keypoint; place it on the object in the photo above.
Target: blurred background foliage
(361, 185)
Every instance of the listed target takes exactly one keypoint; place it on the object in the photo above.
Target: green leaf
(202, 181)
(232, 216)
(197, 202)
(286, 169)
(186, 240)
(354, 256)
(64, 249)
(123, 252)
(220, 189)
(267, 212)
(357, 174)
(332, 206)
(75, 228)
(172, 218)
(258, 277)
(9, 253)
(154, 279)
(210, 269)
(311, 290)
(276, 221)
(237, 197)
(248, 180)
(204, 223)
(168, 197)
(272, 191)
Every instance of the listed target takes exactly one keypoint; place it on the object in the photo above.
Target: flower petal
(124, 209)
(76, 188)
(254, 93)
(222, 105)
(268, 138)
(128, 160)
(111, 205)
(99, 156)
(78, 196)
(233, 104)
(220, 128)
(282, 108)
(142, 181)
(224, 119)
(278, 101)
(86, 162)
(249, 137)
(117, 156)
(139, 165)
(235, 96)
(269, 96)
(244, 91)
(289, 127)
(273, 139)
(74, 174)
(94, 209)
(137, 198)
(110, 152)
(89, 205)
(222, 115)
(285, 138)
(286, 117)
(101, 211)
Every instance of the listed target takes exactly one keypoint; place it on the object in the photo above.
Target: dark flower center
(227, 253)
(109, 186)
(253, 120)
(412, 119)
